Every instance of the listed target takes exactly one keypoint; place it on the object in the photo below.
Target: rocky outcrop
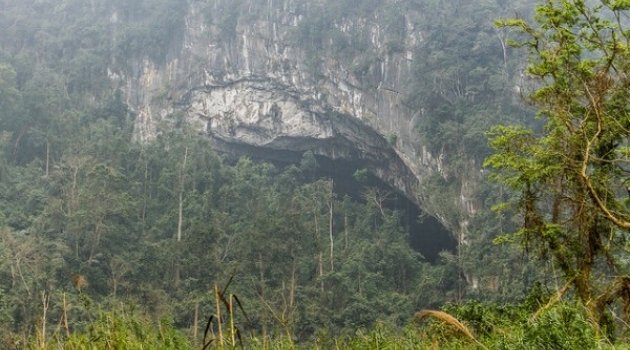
(261, 115)
(255, 87)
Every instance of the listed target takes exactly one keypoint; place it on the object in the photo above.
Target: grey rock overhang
(271, 120)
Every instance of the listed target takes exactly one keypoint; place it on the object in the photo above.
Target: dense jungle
(325, 174)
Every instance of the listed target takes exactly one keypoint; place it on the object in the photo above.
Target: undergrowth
(532, 324)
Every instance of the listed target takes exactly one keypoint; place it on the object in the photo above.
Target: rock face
(257, 115)
(254, 87)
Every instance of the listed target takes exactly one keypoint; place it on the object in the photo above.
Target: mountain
(361, 117)
(405, 89)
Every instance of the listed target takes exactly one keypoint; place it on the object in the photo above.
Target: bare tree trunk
(19, 270)
(504, 48)
(180, 213)
(264, 335)
(321, 269)
(320, 256)
(195, 325)
(293, 286)
(345, 232)
(45, 300)
(65, 316)
(378, 198)
(217, 297)
(47, 156)
(330, 228)
(17, 143)
(460, 266)
(97, 239)
(144, 195)
(73, 203)
(232, 329)
(261, 272)
(181, 195)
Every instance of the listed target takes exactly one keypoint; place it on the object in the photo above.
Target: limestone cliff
(251, 79)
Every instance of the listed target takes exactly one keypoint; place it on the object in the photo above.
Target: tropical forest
(314, 174)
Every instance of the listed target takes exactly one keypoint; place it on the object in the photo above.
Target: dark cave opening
(426, 234)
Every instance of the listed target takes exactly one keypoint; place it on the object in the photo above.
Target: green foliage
(82, 39)
(392, 139)
(106, 211)
(342, 30)
(571, 177)
(551, 329)
(151, 29)
(156, 225)
(119, 329)
(360, 175)
(9, 94)
(565, 325)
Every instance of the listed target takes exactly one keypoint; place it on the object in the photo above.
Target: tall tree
(573, 176)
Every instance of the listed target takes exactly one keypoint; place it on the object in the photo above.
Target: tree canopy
(573, 175)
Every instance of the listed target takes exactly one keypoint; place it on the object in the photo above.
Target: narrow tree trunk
(345, 232)
(65, 316)
(45, 300)
(293, 286)
(261, 273)
(195, 325)
(19, 270)
(264, 335)
(320, 256)
(16, 146)
(232, 328)
(330, 229)
(218, 314)
(460, 266)
(321, 269)
(72, 205)
(144, 197)
(47, 156)
(13, 275)
(504, 48)
(97, 239)
(180, 214)
(181, 195)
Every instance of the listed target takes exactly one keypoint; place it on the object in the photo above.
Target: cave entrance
(426, 234)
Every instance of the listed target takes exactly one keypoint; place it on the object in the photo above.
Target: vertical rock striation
(254, 81)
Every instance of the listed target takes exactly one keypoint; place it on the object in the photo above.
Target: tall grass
(557, 325)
